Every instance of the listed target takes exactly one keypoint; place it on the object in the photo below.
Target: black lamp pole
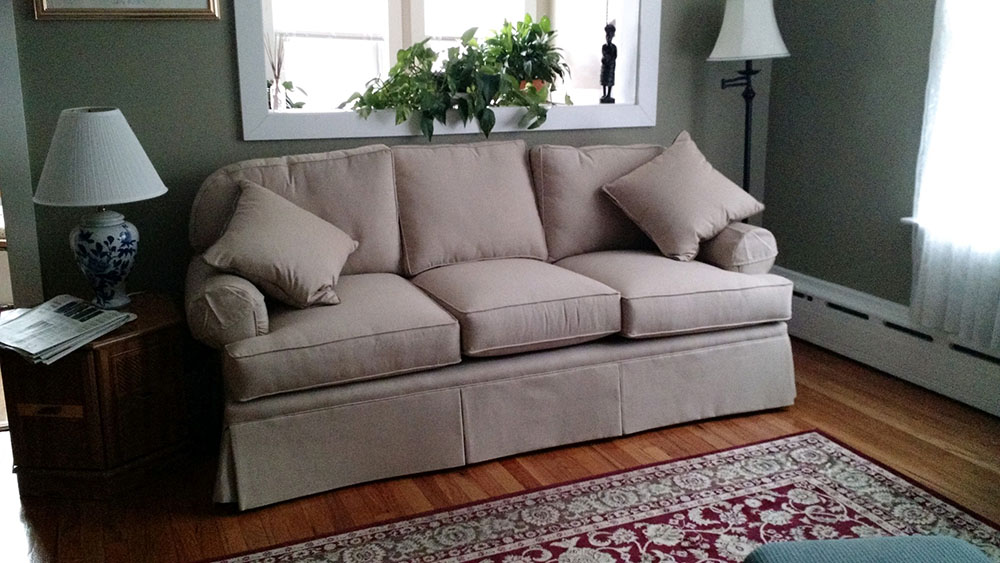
(744, 79)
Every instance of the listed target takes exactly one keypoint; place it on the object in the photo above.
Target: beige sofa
(497, 303)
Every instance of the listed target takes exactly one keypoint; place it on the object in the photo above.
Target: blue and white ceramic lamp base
(105, 245)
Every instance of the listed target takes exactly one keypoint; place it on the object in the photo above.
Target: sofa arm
(741, 247)
(222, 308)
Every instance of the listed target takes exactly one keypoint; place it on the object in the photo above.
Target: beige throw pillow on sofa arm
(289, 253)
(679, 200)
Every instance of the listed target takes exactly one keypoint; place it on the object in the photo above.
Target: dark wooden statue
(609, 54)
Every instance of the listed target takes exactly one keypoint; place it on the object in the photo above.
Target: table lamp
(96, 160)
(749, 31)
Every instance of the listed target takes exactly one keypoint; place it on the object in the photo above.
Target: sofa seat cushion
(520, 305)
(383, 326)
(661, 296)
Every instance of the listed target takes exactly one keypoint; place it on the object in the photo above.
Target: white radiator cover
(879, 333)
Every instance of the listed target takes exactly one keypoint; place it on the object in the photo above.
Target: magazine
(57, 327)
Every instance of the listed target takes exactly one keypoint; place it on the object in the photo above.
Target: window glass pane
(325, 16)
(331, 69)
(452, 18)
(331, 49)
(580, 34)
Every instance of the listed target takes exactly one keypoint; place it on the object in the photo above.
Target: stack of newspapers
(57, 327)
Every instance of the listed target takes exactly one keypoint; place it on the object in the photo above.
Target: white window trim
(261, 124)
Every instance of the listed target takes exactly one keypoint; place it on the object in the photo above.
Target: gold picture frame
(126, 9)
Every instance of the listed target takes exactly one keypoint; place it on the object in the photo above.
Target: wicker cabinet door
(144, 407)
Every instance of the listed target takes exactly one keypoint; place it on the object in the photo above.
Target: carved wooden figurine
(609, 54)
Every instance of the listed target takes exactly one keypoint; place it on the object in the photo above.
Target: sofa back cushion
(351, 189)
(576, 215)
(462, 203)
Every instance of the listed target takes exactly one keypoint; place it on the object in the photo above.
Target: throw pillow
(679, 200)
(291, 254)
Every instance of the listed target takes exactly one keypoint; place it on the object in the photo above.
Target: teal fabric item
(901, 549)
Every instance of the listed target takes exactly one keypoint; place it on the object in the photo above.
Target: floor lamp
(749, 31)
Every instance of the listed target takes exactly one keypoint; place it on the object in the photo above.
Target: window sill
(303, 124)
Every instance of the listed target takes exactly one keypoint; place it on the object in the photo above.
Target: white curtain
(957, 205)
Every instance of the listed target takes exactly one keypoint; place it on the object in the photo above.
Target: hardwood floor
(948, 447)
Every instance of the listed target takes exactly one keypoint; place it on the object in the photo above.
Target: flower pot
(538, 83)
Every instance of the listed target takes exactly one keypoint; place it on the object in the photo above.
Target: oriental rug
(709, 508)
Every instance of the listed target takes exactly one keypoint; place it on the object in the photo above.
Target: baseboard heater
(879, 333)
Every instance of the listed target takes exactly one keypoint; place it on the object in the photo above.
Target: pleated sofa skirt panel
(708, 382)
(296, 455)
(532, 413)
(291, 445)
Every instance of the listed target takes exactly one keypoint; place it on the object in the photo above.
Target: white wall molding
(879, 333)
(15, 172)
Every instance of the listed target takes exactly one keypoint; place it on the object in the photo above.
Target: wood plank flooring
(948, 447)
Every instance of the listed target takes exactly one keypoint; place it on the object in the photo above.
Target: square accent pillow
(291, 254)
(679, 200)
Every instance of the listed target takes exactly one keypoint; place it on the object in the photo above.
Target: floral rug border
(941, 497)
(424, 516)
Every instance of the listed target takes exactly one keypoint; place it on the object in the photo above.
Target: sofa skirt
(296, 444)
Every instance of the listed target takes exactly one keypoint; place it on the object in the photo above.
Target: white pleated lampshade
(94, 160)
(749, 31)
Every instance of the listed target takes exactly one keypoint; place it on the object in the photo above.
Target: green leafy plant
(412, 88)
(472, 80)
(288, 89)
(472, 83)
(526, 50)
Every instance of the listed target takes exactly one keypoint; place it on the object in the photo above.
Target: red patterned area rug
(710, 508)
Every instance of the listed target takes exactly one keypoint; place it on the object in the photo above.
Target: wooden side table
(95, 422)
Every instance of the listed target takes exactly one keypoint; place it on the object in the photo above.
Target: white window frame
(260, 123)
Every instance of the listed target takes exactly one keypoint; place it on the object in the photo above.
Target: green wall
(844, 133)
(176, 82)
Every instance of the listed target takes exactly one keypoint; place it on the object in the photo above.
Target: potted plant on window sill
(526, 50)
(473, 80)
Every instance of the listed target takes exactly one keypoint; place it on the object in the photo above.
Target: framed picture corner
(126, 9)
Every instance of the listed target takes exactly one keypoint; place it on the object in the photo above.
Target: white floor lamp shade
(96, 160)
(749, 31)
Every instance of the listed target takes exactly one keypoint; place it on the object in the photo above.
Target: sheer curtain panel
(956, 286)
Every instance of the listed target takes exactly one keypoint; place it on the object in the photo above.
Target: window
(328, 50)
(444, 21)
(956, 286)
(580, 24)
(331, 49)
